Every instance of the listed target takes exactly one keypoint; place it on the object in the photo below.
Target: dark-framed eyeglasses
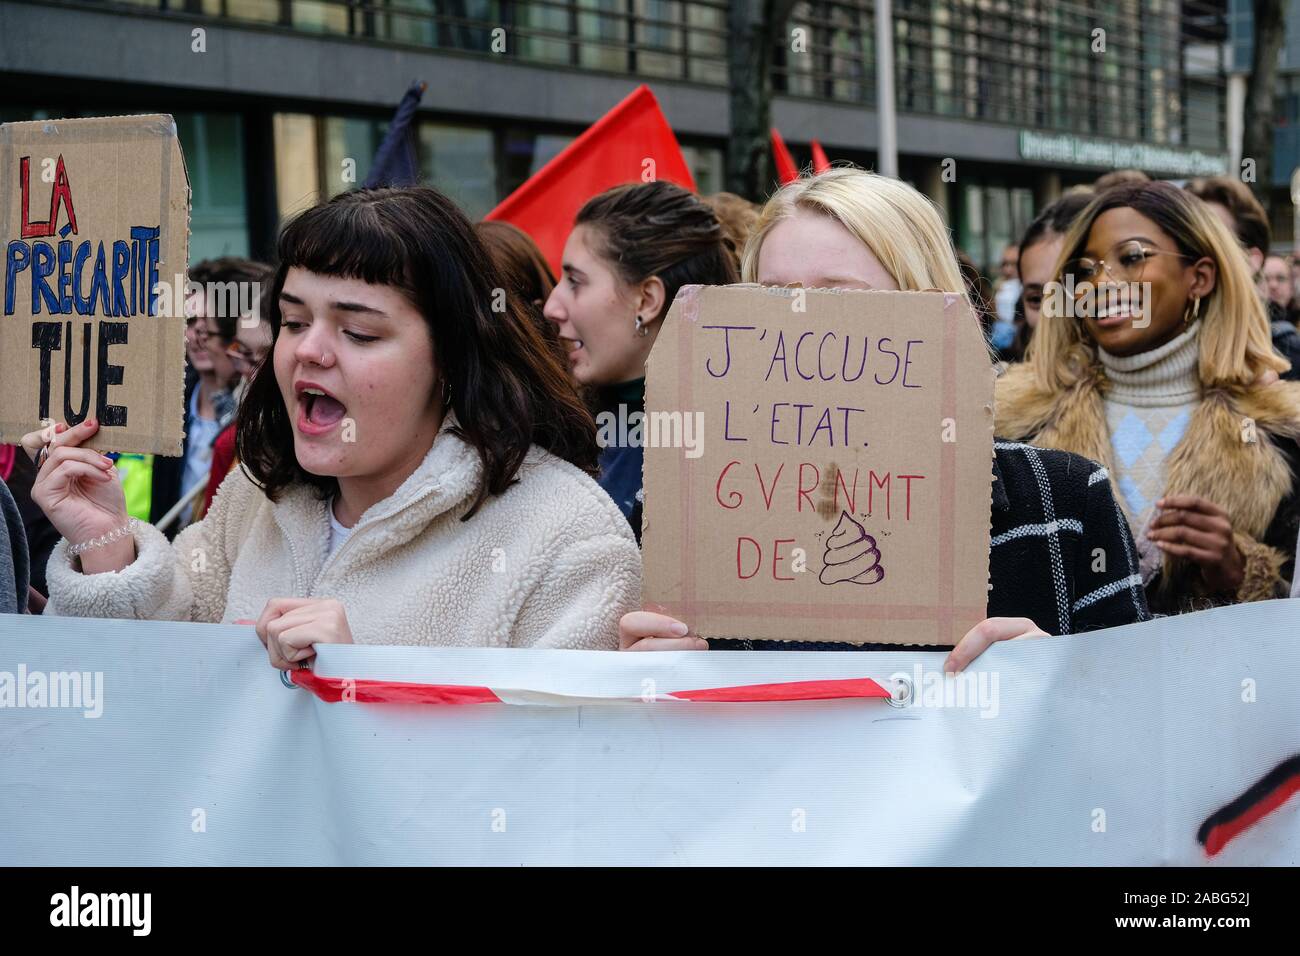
(196, 327)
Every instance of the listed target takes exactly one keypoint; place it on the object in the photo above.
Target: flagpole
(887, 155)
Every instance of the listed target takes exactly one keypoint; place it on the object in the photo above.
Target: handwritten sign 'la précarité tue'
(95, 229)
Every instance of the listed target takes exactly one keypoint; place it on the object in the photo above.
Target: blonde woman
(848, 229)
(1154, 357)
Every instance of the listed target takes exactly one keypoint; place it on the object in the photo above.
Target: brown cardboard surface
(71, 188)
(871, 522)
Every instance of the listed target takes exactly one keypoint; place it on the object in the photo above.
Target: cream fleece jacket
(549, 563)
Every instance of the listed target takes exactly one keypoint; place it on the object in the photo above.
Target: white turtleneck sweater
(1149, 404)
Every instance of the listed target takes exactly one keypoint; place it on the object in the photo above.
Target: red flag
(786, 170)
(820, 162)
(611, 152)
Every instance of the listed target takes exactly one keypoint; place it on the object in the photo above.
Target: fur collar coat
(1239, 451)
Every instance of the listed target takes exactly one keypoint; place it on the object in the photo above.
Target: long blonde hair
(1235, 342)
(899, 225)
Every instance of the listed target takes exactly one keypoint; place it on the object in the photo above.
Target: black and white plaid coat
(1061, 553)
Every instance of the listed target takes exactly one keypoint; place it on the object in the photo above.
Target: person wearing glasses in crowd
(1233, 202)
(251, 344)
(1275, 283)
(1040, 249)
(1006, 296)
(154, 485)
(1154, 358)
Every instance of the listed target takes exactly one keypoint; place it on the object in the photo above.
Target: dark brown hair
(737, 216)
(230, 269)
(1119, 177)
(1163, 203)
(660, 229)
(1054, 219)
(1251, 221)
(527, 275)
(978, 291)
(507, 388)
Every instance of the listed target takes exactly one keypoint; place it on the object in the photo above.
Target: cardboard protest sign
(835, 480)
(96, 220)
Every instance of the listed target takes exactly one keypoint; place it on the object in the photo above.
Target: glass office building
(1001, 104)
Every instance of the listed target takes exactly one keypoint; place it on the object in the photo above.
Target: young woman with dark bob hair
(415, 467)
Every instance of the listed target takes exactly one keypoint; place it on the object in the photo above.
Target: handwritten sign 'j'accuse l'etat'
(95, 215)
(837, 484)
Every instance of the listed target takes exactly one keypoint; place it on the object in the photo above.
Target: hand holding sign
(650, 631)
(80, 493)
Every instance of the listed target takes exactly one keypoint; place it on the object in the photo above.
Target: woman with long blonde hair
(901, 243)
(1153, 356)
(1051, 511)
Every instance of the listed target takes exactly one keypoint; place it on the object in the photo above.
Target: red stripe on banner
(1221, 835)
(796, 690)
(332, 690)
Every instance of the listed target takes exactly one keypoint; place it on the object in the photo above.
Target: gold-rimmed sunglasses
(1124, 263)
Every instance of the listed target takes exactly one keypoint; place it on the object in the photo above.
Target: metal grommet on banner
(902, 693)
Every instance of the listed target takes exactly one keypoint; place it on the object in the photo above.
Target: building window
(256, 11)
(543, 33)
(992, 217)
(604, 23)
(321, 17)
(706, 50)
(706, 166)
(348, 146)
(214, 157)
(523, 153)
(297, 163)
(411, 21)
(658, 38)
(459, 161)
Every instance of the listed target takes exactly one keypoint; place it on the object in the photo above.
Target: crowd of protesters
(388, 449)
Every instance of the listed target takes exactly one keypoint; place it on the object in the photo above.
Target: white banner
(178, 744)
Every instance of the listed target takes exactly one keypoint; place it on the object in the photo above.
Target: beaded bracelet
(103, 539)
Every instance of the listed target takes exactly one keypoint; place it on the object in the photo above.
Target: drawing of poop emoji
(851, 555)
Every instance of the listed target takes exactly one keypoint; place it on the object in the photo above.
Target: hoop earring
(641, 328)
(1195, 312)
